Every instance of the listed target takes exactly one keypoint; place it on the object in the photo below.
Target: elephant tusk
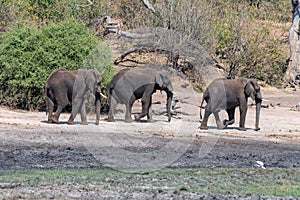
(102, 95)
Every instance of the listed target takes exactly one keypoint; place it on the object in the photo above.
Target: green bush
(100, 59)
(29, 55)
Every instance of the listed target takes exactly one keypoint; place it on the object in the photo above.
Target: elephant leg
(149, 115)
(243, 112)
(230, 113)
(146, 103)
(50, 105)
(83, 114)
(71, 120)
(112, 105)
(207, 113)
(129, 105)
(62, 102)
(57, 113)
(76, 106)
(128, 118)
(218, 121)
(97, 108)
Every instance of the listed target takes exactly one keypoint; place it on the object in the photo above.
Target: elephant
(227, 94)
(129, 85)
(65, 87)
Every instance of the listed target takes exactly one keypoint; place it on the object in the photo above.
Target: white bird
(259, 164)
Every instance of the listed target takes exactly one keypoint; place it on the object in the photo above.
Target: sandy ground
(118, 144)
(27, 141)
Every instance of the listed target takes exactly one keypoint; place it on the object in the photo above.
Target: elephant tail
(108, 99)
(49, 95)
(47, 99)
(201, 105)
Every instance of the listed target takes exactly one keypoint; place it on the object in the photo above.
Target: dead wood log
(138, 50)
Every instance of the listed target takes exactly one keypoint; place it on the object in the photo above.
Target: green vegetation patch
(29, 55)
(275, 181)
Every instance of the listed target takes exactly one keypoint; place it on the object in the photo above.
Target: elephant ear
(250, 89)
(79, 86)
(91, 79)
(158, 79)
(163, 80)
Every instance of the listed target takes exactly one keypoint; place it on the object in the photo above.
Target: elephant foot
(110, 119)
(128, 120)
(242, 129)
(225, 122)
(137, 117)
(83, 123)
(228, 122)
(54, 121)
(70, 122)
(149, 120)
(220, 125)
(203, 127)
(257, 129)
(97, 122)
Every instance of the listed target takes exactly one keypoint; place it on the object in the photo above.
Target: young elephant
(129, 85)
(227, 94)
(65, 87)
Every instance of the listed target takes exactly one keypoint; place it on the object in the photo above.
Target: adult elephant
(227, 94)
(129, 85)
(65, 87)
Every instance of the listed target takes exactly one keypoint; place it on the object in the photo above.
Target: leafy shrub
(252, 38)
(29, 55)
(100, 59)
(248, 43)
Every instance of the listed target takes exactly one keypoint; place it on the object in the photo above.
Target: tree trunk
(292, 75)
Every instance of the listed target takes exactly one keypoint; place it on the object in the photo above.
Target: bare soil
(27, 141)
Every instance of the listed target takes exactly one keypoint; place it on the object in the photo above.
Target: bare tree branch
(166, 41)
(131, 35)
(114, 27)
(148, 6)
(90, 3)
(141, 49)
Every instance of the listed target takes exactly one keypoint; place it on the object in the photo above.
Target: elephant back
(117, 77)
(61, 77)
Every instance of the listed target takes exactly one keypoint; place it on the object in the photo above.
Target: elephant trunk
(169, 102)
(258, 107)
(97, 105)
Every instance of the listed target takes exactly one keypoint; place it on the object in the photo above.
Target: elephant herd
(65, 88)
